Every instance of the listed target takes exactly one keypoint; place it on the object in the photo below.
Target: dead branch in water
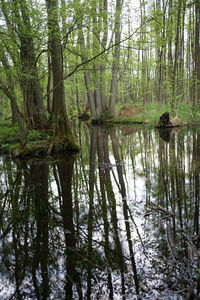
(159, 207)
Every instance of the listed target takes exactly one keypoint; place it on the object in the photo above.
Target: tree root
(45, 148)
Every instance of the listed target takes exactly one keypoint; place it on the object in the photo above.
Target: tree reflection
(65, 172)
(121, 217)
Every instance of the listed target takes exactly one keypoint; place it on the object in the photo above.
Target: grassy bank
(150, 114)
(129, 114)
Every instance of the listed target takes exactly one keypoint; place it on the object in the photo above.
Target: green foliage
(35, 135)
(8, 134)
(187, 113)
(87, 29)
(153, 111)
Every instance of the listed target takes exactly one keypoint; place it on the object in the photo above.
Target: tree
(116, 56)
(21, 50)
(63, 138)
(197, 49)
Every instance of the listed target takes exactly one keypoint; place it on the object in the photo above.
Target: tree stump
(164, 121)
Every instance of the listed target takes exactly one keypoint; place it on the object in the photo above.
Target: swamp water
(118, 221)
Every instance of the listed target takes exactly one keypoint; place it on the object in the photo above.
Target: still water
(120, 220)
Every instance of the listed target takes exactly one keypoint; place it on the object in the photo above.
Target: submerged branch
(159, 207)
(170, 240)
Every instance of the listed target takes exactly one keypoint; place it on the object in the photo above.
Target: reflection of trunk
(17, 271)
(196, 151)
(125, 208)
(172, 161)
(40, 193)
(17, 239)
(104, 204)
(112, 203)
(178, 182)
(65, 171)
(12, 228)
(93, 148)
(163, 173)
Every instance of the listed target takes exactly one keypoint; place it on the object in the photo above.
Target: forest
(97, 59)
(99, 149)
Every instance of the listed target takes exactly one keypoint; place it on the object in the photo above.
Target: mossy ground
(10, 137)
(37, 142)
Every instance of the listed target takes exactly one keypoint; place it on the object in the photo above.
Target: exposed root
(43, 149)
(37, 149)
(62, 141)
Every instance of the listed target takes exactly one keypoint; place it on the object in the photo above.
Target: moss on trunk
(63, 139)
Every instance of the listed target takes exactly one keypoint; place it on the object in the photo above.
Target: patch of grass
(187, 113)
(37, 135)
(151, 112)
(9, 134)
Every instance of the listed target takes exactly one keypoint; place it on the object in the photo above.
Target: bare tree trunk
(90, 93)
(175, 66)
(16, 115)
(197, 49)
(104, 29)
(49, 101)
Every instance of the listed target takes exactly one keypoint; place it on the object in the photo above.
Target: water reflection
(118, 221)
(165, 133)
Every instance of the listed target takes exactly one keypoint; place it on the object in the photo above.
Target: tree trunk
(63, 137)
(115, 65)
(175, 66)
(16, 115)
(197, 49)
(34, 112)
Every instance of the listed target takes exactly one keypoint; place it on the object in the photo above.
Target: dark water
(118, 221)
